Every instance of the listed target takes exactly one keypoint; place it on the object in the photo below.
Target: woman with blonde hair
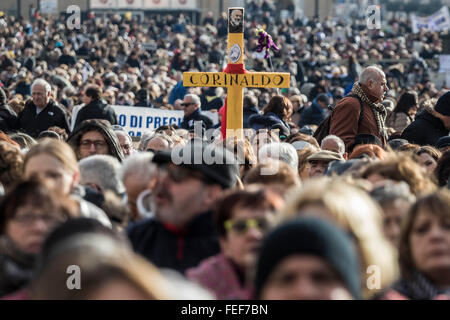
(55, 161)
(352, 210)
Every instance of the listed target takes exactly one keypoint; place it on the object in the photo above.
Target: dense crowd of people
(337, 188)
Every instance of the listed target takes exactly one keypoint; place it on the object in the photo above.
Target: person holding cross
(192, 112)
(235, 77)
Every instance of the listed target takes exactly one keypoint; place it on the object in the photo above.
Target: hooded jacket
(102, 126)
(425, 130)
(33, 123)
(96, 109)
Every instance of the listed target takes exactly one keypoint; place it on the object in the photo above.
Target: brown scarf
(378, 109)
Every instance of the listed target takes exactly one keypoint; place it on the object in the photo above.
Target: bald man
(362, 111)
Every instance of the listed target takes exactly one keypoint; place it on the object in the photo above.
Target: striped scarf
(378, 109)
(417, 287)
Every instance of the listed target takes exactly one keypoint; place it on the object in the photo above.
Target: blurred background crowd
(294, 210)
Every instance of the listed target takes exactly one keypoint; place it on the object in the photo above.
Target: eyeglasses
(186, 104)
(29, 218)
(98, 144)
(241, 226)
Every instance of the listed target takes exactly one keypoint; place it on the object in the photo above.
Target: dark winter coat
(425, 130)
(188, 122)
(52, 115)
(97, 109)
(314, 114)
(16, 267)
(8, 119)
(265, 121)
(247, 113)
(167, 247)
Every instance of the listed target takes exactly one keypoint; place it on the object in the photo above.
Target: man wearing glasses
(192, 112)
(182, 232)
(95, 137)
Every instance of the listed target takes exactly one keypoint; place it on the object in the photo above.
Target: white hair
(279, 151)
(103, 170)
(338, 141)
(124, 133)
(370, 73)
(194, 98)
(41, 82)
(138, 165)
(160, 135)
(145, 138)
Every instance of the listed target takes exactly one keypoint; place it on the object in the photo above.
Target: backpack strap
(361, 111)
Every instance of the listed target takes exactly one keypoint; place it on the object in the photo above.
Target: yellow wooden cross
(236, 82)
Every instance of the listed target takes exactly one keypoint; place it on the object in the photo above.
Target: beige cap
(325, 155)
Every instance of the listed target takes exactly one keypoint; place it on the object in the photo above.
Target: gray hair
(338, 140)
(138, 165)
(370, 73)
(145, 138)
(123, 132)
(194, 98)
(163, 136)
(41, 82)
(280, 151)
(103, 170)
(390, 192)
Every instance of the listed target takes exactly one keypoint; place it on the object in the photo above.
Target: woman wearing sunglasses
(242, 218)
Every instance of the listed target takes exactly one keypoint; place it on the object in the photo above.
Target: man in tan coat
(370, 89)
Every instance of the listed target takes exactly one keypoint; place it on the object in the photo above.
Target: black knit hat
(443, 142)
(397, 143)
(309, 236)
(217, 164)
(142, 95)
(366, 138)
(443, 104)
